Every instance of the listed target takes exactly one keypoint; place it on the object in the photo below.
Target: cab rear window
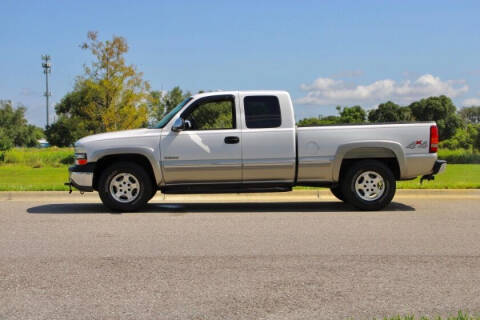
(262, 112)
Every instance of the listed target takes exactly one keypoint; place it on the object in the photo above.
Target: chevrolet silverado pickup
(247, 141)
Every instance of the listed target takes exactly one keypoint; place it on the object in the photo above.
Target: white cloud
(327, 91)
(471, 102)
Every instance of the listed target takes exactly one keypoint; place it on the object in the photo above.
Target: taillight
(433, 139)
(80, 159)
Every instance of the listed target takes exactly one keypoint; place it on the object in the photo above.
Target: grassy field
(37, 158)
(457, 176)
(460, 316)
(26, 178)
(459, 156)
(58, 157)
(46, 169)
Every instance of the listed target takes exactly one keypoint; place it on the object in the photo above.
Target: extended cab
(244, 141)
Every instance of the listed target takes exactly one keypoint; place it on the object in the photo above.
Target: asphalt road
(310, 260)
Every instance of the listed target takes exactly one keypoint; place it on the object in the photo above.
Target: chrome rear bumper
(438, 167)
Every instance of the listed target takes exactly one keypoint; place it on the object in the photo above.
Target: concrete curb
(296, 195)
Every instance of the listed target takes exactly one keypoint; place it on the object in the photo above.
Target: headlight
(80, 159)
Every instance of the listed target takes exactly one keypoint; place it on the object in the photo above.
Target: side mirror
(178, 125)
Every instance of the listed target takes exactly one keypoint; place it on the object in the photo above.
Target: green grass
(459, 156)
(459, 316)
(457, 176)
(37, 158)
(59, 157)
(26, 178)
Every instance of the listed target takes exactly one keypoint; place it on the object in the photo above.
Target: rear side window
(262, 112)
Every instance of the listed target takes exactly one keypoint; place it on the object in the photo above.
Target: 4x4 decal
(418, 144)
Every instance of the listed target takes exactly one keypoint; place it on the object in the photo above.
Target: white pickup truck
(247, 141)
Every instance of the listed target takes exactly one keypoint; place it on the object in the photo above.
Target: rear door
(268, 138)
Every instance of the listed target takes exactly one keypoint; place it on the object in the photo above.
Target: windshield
(171, 114)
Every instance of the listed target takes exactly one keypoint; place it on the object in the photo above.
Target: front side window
(262, 112)
(162, 123)
(211, 115)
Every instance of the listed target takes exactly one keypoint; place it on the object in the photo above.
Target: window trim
(262, 96)
(215, 98)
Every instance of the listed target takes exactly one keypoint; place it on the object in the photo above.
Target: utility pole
(46, 65)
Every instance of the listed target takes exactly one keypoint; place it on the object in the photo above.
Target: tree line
(111, 95)
(457, 129)
(14, 128)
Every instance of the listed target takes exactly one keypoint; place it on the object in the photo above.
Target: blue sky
(323, 52)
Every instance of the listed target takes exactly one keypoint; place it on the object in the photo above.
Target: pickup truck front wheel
(125, 186)
(337, 192)
(368, 185)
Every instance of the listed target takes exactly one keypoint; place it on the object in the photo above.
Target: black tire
(154, 192)
(145, 186)
(357, 198)
(337, 192)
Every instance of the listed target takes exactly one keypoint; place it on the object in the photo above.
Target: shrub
(464, 138)
(51, 157)
(70, 159)
(459, 156)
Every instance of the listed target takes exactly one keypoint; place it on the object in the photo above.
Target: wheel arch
(388, 152)
(106, 158)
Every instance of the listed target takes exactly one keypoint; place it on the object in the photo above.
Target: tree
(389, 112)
(14, 128)
(470, 114)
(80, 104)
(109, 96)
(162, 103)
(440, 109)
(318, 121)
(464, 138)
(65, 131)
(354, 114)
(476, 141)
(6, 143)
(120, 91)
(76, 118)
(212, 115)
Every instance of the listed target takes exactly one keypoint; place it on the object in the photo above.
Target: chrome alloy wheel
(369, 186)
(124, 187)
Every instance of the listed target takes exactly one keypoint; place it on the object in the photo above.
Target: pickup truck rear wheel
(125, 186)
(368, 185)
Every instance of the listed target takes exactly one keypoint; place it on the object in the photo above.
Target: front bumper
(81, 177)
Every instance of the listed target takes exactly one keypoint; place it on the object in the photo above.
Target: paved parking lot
(67, 257)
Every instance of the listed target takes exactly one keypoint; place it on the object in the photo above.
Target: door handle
(232, 140)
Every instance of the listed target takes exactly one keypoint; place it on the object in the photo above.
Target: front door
(209, 149)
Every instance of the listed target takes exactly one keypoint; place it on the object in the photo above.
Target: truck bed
(321, 148)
